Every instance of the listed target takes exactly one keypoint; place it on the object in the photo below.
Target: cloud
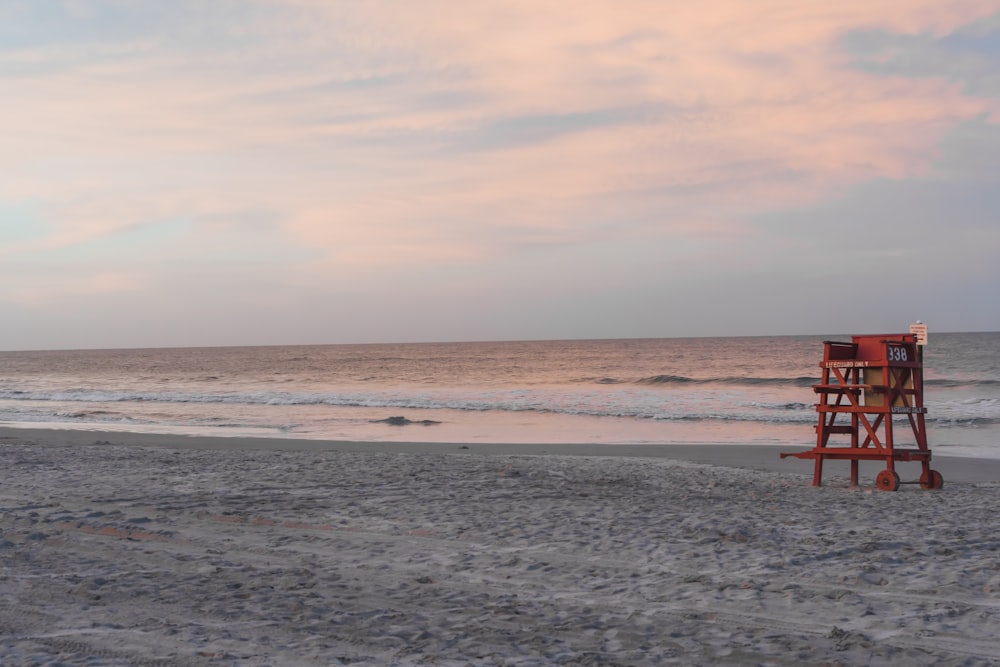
(968, 56)
(920, 241)
(44, 289)
(410, 141)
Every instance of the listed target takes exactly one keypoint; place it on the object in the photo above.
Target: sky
(320, 171)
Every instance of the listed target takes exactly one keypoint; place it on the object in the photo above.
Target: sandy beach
(133, 549)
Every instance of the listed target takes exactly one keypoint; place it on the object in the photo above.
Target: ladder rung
(838, 388)
(835, 429)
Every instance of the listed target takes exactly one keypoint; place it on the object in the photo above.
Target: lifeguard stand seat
(868, 385)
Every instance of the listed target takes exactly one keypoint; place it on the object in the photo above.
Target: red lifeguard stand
(866, 384)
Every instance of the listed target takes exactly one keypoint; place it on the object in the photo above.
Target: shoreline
(753, 457)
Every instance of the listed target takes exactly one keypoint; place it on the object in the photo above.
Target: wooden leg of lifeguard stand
(888, 479)
(855, 424)
(818, 471)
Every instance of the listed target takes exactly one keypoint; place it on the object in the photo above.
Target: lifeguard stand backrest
(881, 351)
(874, 348)
(838, 351)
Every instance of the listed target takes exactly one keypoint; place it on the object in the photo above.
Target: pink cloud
(731, 107)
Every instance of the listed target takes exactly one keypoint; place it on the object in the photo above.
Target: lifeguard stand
(866, 384)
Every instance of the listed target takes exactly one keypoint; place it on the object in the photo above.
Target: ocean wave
(798, 381)
(730, 380)
(793, 405)
(955, 383)
(959, 422)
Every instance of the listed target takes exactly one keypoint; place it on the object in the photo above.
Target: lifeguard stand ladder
(866, 384)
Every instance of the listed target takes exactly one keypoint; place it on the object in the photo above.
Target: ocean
(633, 391)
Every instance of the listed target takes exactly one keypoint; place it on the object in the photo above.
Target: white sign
(920, 331)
